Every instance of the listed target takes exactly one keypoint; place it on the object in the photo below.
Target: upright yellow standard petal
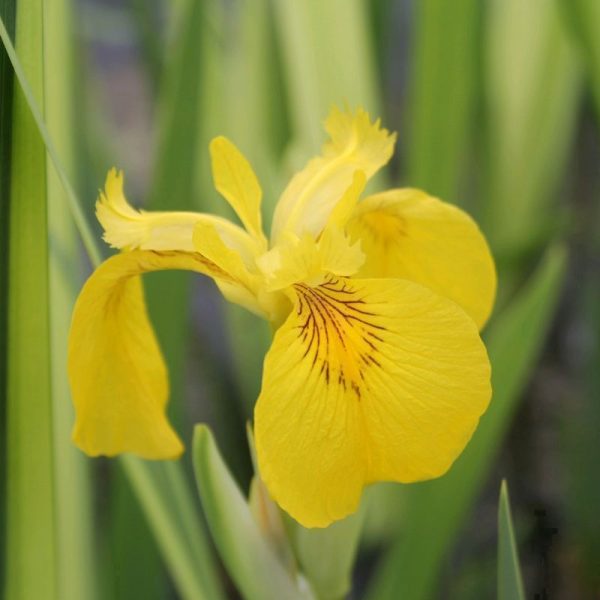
(236, 181)
(355, 144)
(367, 380)
(118, 378)
(407, 234)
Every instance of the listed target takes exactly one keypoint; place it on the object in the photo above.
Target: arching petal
(127, 228)
(236, 181)
(367, 380)
(118, 378)
(355, 144)
(208, 243)
(407, 234)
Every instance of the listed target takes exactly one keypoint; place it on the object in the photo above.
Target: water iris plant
(376, 371)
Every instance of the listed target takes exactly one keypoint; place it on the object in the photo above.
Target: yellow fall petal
(367, 380)
(355, 144)
(128, 228)
(407, 234)
(236, 181)
(118, 378)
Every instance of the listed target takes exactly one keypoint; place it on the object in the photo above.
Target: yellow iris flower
(376, 370)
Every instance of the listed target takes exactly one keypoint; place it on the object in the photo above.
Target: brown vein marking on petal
(193, 261)
(340, 333)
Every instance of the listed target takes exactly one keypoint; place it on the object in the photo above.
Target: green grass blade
(327, 555)
(194, 575)
(75, 207)
(328, 59)
(133, 564)
(532, 87)
(254, 73)
(146, 18)
(439, 507)
(250, 561)
(510, 582)
(442, 94)
(31, 540)
(71, 477)
(584, 17)
(7, 9)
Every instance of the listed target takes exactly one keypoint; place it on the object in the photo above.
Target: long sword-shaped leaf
(510, 582)
(328, 60)
(193, 572)
(31, 540)
(160, 504)
(439, 507)
(6, 96)
(76, 574)
(327, 556)
(584, 17)
(532, 85)
(442, 93)
(251, 562)
(75, 207)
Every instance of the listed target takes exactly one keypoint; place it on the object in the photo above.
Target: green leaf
(328, 59)
(75, 206)
(163, 495)
(250, 560)
(532, 87)
(31, 537)
(327, 555)
(411, 566)
(510, 582)
(76, 550)
(444, 65)
(7, 9)
(584, 17)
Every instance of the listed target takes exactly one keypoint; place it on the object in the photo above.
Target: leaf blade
(249, 560)
(510, 581)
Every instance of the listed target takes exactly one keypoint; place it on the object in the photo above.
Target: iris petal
(127, 228)
(236, 181)
(407, 234)
(355, 144)
(367, 380)
(118, 378)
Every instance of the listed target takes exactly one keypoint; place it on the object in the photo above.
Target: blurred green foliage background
(497, 105)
